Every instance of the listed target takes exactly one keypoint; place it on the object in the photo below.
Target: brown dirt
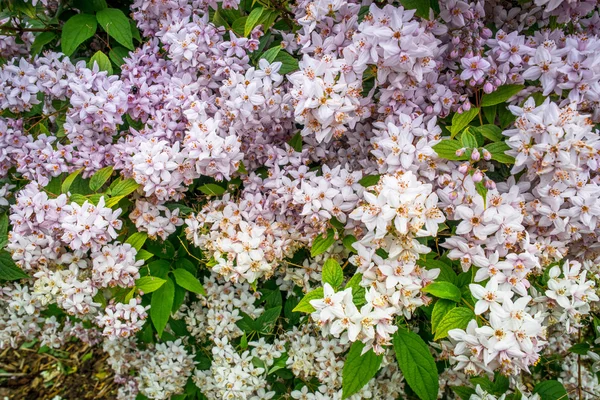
(27, 375)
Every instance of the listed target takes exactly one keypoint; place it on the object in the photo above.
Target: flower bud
(490, 184)
(477, 176)
(487, 156)
(463, 168)
(460, 152)
(475, 156)
(488, 87)
(466, 105)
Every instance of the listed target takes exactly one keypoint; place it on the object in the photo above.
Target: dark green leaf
(417, 364)
(358, 369)
(40, 41)
(116, 24)
(501, 95)
(188, 281)
(369, 180)
(551, 390)
(160, 305)
(77, 30)
(461, 121)
(100, 177)
(321, 244)
(212, 189)
(8, 269)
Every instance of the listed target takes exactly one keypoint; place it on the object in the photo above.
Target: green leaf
(440, 309)
(447, 274)
(288, 62)
(103, 62)
(66, 185)
(144, 255)
(461, 121)
(498, 150)
(304, 305)
(490, 132)
(332, 273)
(117, 54)
(123, 188)
(116, 24)
(9, 270)
(490, 114)
(359, 369)
(501, 95)
(348, 241)
(416, 363)
(160, 305)
(321, 244)
(4, 225)
(358, 292)
(457, 318)
(149, 284)
(270, 54)
(77, 30)
(212, 189)
(161, 249)
(252, 20)
(267, 319)
(188, 281)
(468, 140)
(41, 40)
(421, 7)
(443, 290)
(464, 392)
(296, 142)
(580, 348)
(239, 25)
(100, 178)
(447, 149)
(137, 240)
(369, 180)
(551, 390)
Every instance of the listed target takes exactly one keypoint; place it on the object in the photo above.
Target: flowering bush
(311, 200)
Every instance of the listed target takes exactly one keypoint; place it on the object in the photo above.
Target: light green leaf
(160, 305)
(457, 318)
(321, 244)
(66, 185)
(103, 62)
(212, 189)
(100, 177)
(188, 281)
(443, 290)
(123, 188)
(440, 309)
(461, 121)
(270, 54)
(116, 24)
(252, 20)
(77, 30)
(501, 95)
(358, 292)
(304, 305)
(358, 369)
(468, 140)
(447, 149)
(332, 273)
(417, 364)
(137, 240)
(498, 150)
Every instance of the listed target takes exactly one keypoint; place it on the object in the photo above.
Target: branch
(19, 29)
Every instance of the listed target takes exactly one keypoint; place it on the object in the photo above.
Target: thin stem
(20, 29)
